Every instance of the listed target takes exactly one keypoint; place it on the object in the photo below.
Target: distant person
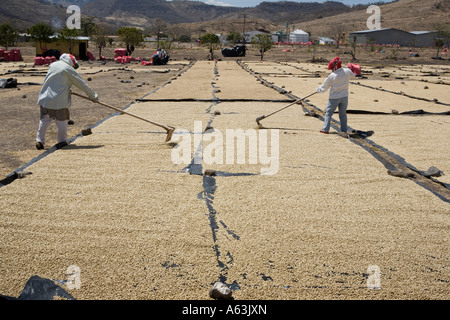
(338, 82)
(160, 57)
(55, 99)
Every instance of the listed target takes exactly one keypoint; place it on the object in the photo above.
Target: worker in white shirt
(55, 99)
(337, 82)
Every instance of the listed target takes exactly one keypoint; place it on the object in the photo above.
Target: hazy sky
(253, 3)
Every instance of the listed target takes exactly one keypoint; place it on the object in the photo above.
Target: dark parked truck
(236, 51)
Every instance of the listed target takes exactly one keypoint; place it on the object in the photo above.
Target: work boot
(61, 145)
(39, 146)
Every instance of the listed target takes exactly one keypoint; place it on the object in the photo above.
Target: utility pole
(243, 31)
(287, 31)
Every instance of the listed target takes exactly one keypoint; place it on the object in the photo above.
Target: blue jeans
(340, 103)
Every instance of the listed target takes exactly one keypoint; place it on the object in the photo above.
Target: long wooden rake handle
(296, 101)
(169, 130)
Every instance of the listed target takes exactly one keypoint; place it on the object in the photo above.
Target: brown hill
(22, 14)
(407, 15)
(325, 18)
(288, 12)
(141, 12)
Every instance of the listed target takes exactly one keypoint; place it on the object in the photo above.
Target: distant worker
(160, 57)
(55, 99)
(338, 82)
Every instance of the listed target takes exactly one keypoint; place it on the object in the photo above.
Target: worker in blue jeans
(338, 82)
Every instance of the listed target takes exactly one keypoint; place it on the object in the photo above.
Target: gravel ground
(141, 219)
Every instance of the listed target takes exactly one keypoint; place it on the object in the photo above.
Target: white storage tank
(298, 36)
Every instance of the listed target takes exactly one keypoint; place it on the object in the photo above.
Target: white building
(325, 40)
(298, 36)
(251, 34)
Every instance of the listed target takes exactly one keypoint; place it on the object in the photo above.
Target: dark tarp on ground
(8, 83)
(38, 288)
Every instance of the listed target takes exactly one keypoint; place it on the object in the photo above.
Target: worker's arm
(77, 81)
(326, 85)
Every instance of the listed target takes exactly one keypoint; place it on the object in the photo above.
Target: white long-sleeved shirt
(55, 93)
(337, 82)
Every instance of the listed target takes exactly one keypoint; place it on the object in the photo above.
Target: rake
(295, 102)
(169, 129)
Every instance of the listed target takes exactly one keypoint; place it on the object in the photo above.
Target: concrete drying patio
(141, 220)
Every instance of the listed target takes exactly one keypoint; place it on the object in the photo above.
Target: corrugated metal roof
(373, 30)
(421, 32)
(298, 31)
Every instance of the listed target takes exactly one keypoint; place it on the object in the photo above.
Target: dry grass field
(142, 219)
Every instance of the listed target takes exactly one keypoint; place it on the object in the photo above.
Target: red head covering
(70, 60)
(335, 64)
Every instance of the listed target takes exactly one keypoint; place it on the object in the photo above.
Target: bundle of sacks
(90, 56)
(120, 56)
(12, 55)
(41, 61)
(124, 59)
(356, 68)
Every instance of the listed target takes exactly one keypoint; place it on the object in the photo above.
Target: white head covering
(70, 60)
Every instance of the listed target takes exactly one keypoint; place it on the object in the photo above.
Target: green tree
(210, 40)
(41, 32)
(87, 26)
(8, 35)
(184, 38)
(159, 27)
(263, 42)
(68, 36)
(99, 38)
(131, 37)
(234, 37)
(354, 45)
(443, 35)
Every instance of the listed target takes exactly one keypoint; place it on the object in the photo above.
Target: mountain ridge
(143, 12)
(196, 16)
